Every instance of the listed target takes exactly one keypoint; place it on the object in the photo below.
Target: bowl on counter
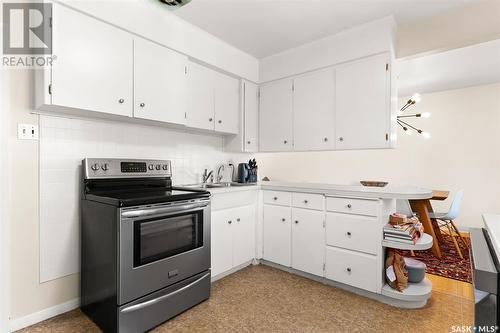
(373, 183)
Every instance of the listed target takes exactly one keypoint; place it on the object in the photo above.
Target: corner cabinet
(93, 69)
(276, 116)
(363, 103)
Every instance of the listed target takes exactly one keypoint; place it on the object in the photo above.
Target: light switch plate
(27, 132)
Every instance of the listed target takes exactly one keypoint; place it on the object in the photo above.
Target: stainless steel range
(145, 244)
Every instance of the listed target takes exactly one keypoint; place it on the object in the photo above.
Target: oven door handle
(156, 211)
(162, 298)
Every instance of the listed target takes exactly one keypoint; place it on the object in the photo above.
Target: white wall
(150, 19)
(367, 39)
(463, 153)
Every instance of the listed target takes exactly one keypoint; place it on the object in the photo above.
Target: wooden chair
(445, 220)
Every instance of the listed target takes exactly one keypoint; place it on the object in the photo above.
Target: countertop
(389, 192)
(492, 224)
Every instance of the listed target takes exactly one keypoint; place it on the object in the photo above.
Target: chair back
(455, 206)
(403, 207)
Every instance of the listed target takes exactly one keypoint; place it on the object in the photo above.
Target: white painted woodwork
(277, 234)
(308, 240)
(278, 198)
(221, 242)
(251, 116)
(363, 106)
(227, 103)
(353, 232)
(93, 70)
(314, 111)
(276, 116)
(353, 268)
(353, 206)
(308, 201)
(201, 104)
(160, 83)
(244, 235)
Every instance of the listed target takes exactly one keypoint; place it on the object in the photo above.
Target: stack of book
(407, 233)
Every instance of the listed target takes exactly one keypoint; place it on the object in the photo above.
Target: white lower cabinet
(277, 234)
(308, 240)
(352, 268)
(353, 232)
(232, 238)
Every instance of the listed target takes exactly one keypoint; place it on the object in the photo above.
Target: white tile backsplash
(64, 142)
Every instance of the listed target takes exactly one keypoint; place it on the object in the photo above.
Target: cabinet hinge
(50, 89)
(386, 67)
(324, 224)
(386, 136)
(258, 93)
(185, 115)
(293, 87)
(185, 69)
(324, 266)
(50, 22)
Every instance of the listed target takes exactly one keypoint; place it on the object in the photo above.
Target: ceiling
(451, 69)
(265, 27)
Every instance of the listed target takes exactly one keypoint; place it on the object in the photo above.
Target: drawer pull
(229, 222)
(349, 234)
(349, 269)
(283, 219)
(305, 201)
(296, 222)
(349, 206)
(238, 219)
(275, 198)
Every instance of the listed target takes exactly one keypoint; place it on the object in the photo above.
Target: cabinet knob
(121, 101)
(349, 233)
(229, 221)
(341, 139)
(210, 119)
(349, 269)
(349, 206)
(249, 142)
(296, 222)
(285, 142)
(220, 121)
(275, 198)
(142, 105)
(305, 201)
(325, 139)
(283, 220)
(238, 219)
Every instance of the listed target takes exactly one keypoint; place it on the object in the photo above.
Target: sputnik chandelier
(408, 128)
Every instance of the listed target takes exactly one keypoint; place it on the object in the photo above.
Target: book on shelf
(401, 240)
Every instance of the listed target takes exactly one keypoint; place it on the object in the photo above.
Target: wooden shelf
(414, 293)
(424, 243)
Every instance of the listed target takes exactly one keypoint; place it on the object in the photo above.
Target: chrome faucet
(219, 175)
(206, 175)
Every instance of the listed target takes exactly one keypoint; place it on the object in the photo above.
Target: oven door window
(160, 238)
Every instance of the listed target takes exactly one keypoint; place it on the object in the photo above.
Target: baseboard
(31, 319)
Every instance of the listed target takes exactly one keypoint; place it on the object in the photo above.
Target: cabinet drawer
(353, 232)
(352, 206)
(306, 200)
(355, 269)
(278, 198)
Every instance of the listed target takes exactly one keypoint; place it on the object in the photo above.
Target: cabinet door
(200, 111)
(221, 242)
(244, 235)
(308, 240)
(277, 234)
(276, 116)
(251, 114)
(314, 111)
(93, 70)
(363, 112)
(160, 83)
(227, 103)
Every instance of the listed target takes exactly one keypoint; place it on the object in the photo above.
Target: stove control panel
(124, 168)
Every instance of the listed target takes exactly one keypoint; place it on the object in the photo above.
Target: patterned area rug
(450, 265)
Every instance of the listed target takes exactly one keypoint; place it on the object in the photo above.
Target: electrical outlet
(27, 132)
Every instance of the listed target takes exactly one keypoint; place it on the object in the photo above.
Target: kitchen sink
(220, 185)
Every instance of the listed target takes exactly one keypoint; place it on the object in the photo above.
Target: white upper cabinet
(276, 116)
(251, 116)
(160, 83)
(227, 103)
(200, 111)
(363, 103)
(314, 111)
(94, 66)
